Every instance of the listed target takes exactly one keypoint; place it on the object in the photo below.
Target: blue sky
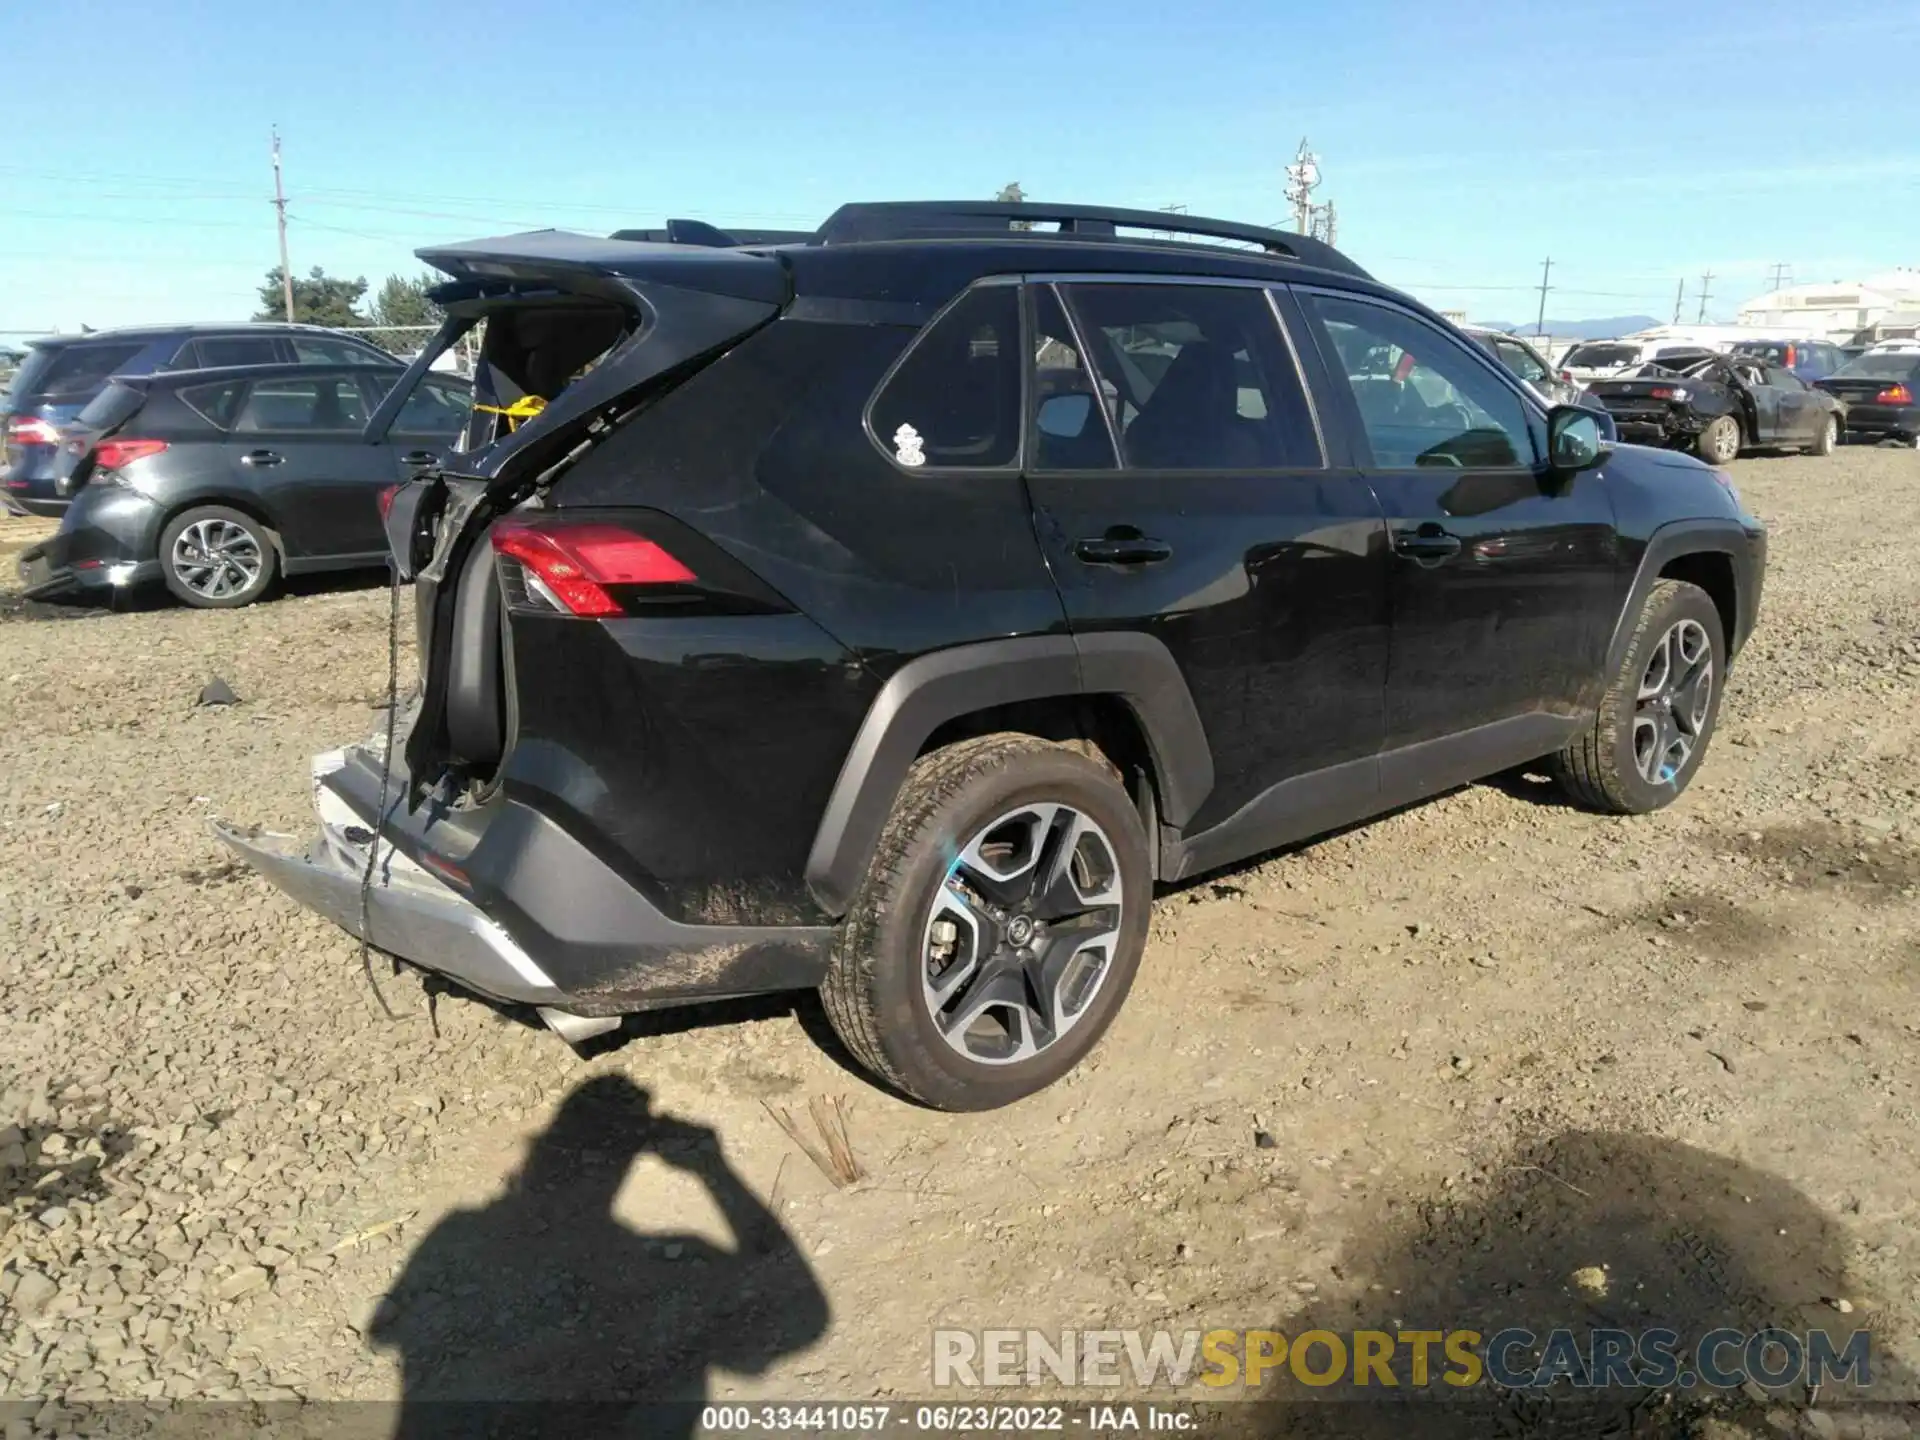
(1636, 143)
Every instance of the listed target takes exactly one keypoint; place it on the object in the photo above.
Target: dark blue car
(61, 373)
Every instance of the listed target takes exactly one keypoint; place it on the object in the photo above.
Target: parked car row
(213, 460)
(887, 610)
(61, 373)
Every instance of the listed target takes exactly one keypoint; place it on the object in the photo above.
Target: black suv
(889, 610)
(62, 373)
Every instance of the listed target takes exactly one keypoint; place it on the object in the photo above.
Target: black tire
(188, 583)
(873, 992)
(1829, 437)
(1719, 441)
(1601, 768)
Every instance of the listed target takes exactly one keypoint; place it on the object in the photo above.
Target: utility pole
(1779, 268)
(280, 210)
(1172, 210)
(1546, 269)
(1706, 282)
(1679, 298)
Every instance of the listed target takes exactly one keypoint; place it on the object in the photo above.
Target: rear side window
(74, 369)
(304, 404)
(1201, 377)
(433, 409)
(214, 402)
(213, 351)
(953, 401)
(330, 352)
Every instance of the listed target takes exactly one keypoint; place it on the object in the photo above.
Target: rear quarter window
(953, 401)
(215, 350)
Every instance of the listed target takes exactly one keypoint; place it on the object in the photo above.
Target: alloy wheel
(1726, 443)
(1022, 933)
(1675, 696)
(216, 558)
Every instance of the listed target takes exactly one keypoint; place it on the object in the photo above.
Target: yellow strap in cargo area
(525, 408)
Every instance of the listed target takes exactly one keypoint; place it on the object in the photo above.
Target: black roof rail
(910, 219)
(698, 232)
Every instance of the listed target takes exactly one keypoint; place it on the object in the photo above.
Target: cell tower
(1303, 178)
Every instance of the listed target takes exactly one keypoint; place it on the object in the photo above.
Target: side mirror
(1573, 439)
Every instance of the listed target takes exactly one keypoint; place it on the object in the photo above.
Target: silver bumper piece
(409, 911)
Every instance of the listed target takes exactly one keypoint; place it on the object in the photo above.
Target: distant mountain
(1602, 329)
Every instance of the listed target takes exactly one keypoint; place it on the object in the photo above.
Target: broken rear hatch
(591, 329)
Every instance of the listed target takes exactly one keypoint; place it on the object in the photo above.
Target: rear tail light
(572, 564)
(1894, 395)
(112, 454)
(1792, 356)
(31, 430)
(1662, 392)
(1567, 376)
(386, 500)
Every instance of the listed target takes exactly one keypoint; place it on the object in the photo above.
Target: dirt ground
(1422, 1071)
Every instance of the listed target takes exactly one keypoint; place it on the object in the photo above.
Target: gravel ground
(1430, 1068)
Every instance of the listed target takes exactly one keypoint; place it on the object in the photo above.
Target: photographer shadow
(541, 1313)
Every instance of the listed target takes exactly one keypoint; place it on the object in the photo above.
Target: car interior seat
(1192, 418)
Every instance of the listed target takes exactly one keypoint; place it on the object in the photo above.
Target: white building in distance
(1835, 311)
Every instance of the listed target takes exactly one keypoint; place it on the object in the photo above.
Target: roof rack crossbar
(698, 232)
(907, 219)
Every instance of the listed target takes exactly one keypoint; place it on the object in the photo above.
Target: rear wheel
(1828, 438)
(1652, 729)
(1719, 442)
(1000, 926)
(216, 558)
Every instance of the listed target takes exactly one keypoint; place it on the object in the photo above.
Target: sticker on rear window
(908, 447)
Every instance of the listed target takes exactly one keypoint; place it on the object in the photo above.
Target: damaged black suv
(888, 609)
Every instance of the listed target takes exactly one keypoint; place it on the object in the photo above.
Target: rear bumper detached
(504, 902)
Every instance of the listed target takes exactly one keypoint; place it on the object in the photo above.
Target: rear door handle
(1427, 544)
(1123, 550)
(262, 457)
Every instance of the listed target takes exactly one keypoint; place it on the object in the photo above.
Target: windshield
(1880, 367)
(1601, 357)
(1763, 350)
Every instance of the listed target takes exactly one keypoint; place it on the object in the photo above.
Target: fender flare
(1691, 537)
(926, 693)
